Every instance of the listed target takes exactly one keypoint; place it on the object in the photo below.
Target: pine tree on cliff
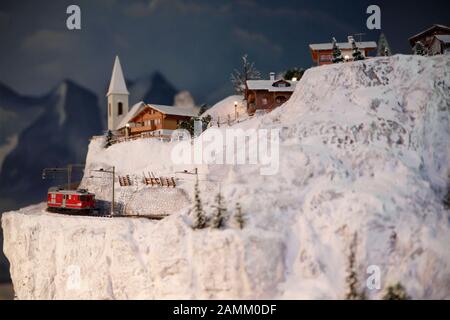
(219, 216)
(396, 292)
(357, 54)
(337, 54)
(419, 49)
(352, 275)
(384, 49)
(199, 214)
(239, 216)
(109, 138)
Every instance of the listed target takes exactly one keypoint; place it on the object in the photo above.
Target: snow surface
(364, 148)
(225, 107)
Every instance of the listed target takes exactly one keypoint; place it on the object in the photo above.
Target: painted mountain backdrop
(52, 131)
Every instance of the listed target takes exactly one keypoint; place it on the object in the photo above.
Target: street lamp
(235, 110)
(113, 172)
(127, 129)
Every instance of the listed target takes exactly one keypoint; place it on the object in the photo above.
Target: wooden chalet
(322, 53)
(267, 94)
(434, 39)
(158, 120)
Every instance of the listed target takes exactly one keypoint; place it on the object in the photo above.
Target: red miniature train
(70, 201)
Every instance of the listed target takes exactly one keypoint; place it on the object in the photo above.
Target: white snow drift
(364, 150)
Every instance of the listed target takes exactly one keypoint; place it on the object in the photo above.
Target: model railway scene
(68, 199)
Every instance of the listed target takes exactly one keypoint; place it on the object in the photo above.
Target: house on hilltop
(268, 94)
(157, 119)
(143, 118)
(322, 53)
(435, 40)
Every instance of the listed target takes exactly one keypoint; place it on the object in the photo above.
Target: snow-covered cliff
(364, 149)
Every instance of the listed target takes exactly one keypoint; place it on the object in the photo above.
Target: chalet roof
(343, 45)
(117, 84)
(138, 107)
(133, 111)
(445, 38)
(175, 111)
(268, 85)
(431, 29)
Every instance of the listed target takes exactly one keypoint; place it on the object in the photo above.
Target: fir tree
(337, 54)
(239, 77)
(203, 109)
(189, 125)
(199, 214)
(419, 49)
(352, 276)
(357, 54)
(294, 73)
(109, 138)
(219, 216)
(396, 292)
(239, 216)
(383, 46)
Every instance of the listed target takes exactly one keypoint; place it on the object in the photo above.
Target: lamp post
(127, 130)
(113, 172)
(235, 110)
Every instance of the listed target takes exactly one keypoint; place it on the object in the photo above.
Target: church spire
(117, 84)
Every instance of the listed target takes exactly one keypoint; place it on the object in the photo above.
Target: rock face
(364, 153)
(60, 257)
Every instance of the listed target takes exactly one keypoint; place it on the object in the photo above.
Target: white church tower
(117, 97)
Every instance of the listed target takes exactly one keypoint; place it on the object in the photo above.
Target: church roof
(117, 84)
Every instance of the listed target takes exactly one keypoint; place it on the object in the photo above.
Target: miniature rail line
(154, 217)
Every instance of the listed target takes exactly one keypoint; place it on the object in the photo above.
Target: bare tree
(240, 77)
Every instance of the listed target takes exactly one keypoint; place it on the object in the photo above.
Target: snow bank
(364, 149)
(225, 108)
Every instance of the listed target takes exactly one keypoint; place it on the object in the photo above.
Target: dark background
(195, 44)
(53, 80)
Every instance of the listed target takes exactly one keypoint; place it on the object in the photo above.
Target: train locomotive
(79, 201)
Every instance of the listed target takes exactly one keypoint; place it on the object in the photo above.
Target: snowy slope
(225, 107)
(364, 149)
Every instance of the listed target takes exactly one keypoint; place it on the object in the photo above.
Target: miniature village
(145, 120)
(360, 184)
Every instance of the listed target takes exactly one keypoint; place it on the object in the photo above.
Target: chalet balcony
(140, 129)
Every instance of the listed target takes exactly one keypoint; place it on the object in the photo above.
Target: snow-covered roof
(117, 84)
(343, 45)
(133, 111)
(268, 85)
(175, 111)
(445, 38)
(138, 107)
(434, 26)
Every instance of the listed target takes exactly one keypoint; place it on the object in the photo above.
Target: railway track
(90, 214)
